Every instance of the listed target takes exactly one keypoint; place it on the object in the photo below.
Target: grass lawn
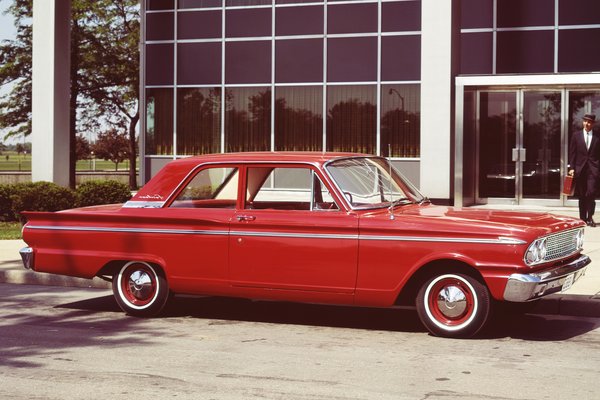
(10, 230)
(22, 162)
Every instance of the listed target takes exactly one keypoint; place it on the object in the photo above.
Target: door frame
(564, 83)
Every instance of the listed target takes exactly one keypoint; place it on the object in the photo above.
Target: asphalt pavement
(582, 299)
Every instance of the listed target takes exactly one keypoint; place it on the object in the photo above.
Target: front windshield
(366, 183)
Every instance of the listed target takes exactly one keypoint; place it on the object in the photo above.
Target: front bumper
(525, 287)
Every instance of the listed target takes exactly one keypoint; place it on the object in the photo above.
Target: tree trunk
(75, 34)
(132, 152)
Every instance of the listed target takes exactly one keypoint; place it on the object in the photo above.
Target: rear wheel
(453, 305)
(140, 289)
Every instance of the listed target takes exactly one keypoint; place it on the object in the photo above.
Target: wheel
(140, 289)
(453, 305)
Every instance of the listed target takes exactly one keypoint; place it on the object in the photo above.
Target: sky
(7, 31)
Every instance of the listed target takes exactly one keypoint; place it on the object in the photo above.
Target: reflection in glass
(351, 118)
(198, 121)
(497, 138)
(247, 119)
(159, 121)
(581, 103)
(541, 140)
(299, 118)
(400, 120)
(199, 3)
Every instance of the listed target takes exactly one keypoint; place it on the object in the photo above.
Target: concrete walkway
(583, 299)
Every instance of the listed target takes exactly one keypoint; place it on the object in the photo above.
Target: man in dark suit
(584, 166)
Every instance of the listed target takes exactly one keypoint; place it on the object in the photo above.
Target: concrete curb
(38, 278)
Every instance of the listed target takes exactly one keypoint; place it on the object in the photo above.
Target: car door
(291, 234)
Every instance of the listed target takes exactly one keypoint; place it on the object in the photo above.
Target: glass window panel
(476, 55)
(581, 103)
(198, 120)
(574, 53)
(160, 26)
(160, 4)
(237, 3)
(199, 24)
(401, 120)
(476, 14)
(297, 1)
(299, 118)
(248, 62)
(401, 58)
(159, 64)
(578, 12)
(299, 60)
(401, 16)
(517, 13)
(525, 52)
(192, 55)
(299, 20)
(497, 139)
(352, 59)
(199, 3)
(159, 121)
(247, 119)
(351, 118)
(248, 22)
(210, 188)
(352, 18)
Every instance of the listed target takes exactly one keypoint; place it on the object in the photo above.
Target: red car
(309, 227)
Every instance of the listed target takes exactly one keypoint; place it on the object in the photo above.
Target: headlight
(579, 239)
(536, 253)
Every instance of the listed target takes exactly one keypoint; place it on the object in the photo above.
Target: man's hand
(571, 172)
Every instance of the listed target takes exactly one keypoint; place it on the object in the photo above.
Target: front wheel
(453, 305)
(140, 289)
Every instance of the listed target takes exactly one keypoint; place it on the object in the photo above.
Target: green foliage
(112, 145)
(102, 192)
(47, 196)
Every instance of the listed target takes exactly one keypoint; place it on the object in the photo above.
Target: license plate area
(568, 282)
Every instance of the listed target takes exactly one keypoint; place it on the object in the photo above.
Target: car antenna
(389, 160)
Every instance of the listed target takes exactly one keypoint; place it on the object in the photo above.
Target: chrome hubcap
(140, 285)
(452, 301)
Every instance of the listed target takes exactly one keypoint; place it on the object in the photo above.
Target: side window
(280, 188)
(211, 188)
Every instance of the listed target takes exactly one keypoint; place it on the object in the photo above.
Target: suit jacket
(580, 157)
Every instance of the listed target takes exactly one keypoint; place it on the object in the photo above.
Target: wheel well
(408, 294)
(112, 268)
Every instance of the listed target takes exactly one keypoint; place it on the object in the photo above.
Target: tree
(112, 145)
(82, 148)
(104, 71)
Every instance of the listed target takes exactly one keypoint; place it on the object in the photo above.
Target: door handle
(245, 218)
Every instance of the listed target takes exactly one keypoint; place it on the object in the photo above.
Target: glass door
(519, 147)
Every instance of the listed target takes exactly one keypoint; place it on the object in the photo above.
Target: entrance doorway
(521, 141)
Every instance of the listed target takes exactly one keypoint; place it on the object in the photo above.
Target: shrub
(6, 203)
(41, 196)
(93, 193)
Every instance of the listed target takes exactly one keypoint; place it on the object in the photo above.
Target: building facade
(473, 100)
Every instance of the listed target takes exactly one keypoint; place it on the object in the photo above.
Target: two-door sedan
(334, 228)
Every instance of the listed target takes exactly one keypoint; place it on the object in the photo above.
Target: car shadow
(223, 311)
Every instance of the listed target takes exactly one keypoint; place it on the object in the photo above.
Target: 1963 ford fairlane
(310, 227)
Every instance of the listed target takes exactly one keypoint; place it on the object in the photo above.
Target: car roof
(268, 156)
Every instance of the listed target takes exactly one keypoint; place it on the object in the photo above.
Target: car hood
(434, 219)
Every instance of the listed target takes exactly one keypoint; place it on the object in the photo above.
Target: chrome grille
(560, 245)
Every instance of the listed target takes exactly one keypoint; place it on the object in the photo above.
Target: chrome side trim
(500, 240)
(296, 235)
(144, 204)
(129, 230)
(525, 287)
